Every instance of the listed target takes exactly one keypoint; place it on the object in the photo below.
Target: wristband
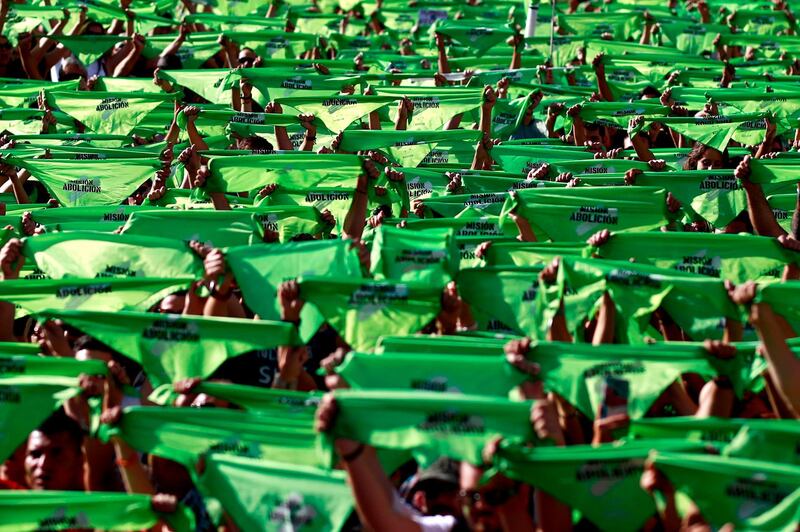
(352, 456)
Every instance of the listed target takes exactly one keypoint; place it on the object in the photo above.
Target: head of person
(94, 28)
(72, 69)
(598, 135)
(480, 502)
(254, 143)
(434, 490)
(704, 157)
(649, 92)
(169, 62)
(173, 303)
(247, 57)
(54, 455)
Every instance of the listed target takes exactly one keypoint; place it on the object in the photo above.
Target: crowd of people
(399, 265)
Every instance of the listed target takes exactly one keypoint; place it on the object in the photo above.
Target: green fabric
(110, 217)
(213, 228)
(88, 49)
(601, 481)
(274, 43)
(195, 50)
(476, 36)
(715, 431)
(78, 183)
(783, 206)
(71, 510)
(432, 373)
(577, 372)
(618, 114)
(503, 298)
(108, 294)
(699, 304)
(205, 82)
(302, 170)
(259, 270)
(273, 496)
(108, 112)
(409, 148)
(716, 195)
(172, 347)
(574, 214)
(714, 131)
(103, 255)
(749, 494)
(337, 112)
(433, 107)
(420, 256)
(771, 171)
(184, 434)
(781, 297)
(735, 257)
(26, 401)
(433, 423)
(361, 310)
(14, 365)
(272, 401)
(272, 84)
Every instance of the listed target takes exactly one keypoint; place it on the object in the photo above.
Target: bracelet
(247, 98)
(352, 456)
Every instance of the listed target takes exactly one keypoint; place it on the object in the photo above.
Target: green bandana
(205, 82)
(184, 434)
(734, 257)
(574, 214)
(716, 195)
(337, 112)
(109, 294)
(503, 299)
(213, 228)
(172, 347)
(26, 401)
(749, 494)
(80, 183)
(434, 423)
(250, 172)
(265, 495)
(432, 373)
(88, 49)
(361, 310)
(420, 256)
(476, 36)
(700, 305)
(434, 107)
(578, 372)
(409, 148)
(601, 481)
(259, 270)
(73, 510)
(713, 131)
(103, 255)
(108, 112)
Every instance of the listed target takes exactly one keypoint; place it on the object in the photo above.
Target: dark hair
(697, 153)
(91, 344)
(169, 62)
(254, 143)
(649, 91)
(59, 422)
